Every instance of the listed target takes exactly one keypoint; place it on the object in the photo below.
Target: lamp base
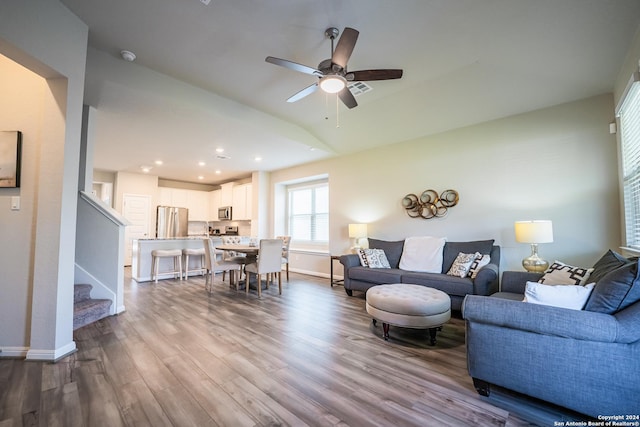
(535, 264)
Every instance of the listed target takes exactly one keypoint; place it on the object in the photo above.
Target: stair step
(89, 310)
(81, 292)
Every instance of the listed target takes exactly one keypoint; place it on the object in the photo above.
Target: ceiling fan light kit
(332, 83)
(332, 73)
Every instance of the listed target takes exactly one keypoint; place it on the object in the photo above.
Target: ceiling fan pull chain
(337, 112)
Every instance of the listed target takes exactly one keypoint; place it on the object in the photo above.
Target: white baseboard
(13, 352)
(51, 355)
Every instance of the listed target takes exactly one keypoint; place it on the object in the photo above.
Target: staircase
(85, 309)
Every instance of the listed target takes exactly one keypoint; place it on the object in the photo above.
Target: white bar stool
(193, 252)
(176, 254)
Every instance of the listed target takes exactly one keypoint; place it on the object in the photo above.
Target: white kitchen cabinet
(226, 194)
(198, 205)
(214, 204)
(242, 202)
(164, 196)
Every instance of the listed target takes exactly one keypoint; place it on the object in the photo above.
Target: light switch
(15, 203)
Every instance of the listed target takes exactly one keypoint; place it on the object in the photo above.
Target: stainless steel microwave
(224, 212)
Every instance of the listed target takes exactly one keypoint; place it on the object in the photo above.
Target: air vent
(358, 88)
(222, 156)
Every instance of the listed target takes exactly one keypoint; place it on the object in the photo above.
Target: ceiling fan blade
(294, 66)
(304, 92)
(347, 98)
(368, 75)
(345, 46)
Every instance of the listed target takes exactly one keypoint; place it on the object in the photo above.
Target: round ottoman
(409, 306)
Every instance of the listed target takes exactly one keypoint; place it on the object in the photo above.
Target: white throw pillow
(566, 296)
(422, 253)
(462, 263)
(479, 262)
(373, 258)
(560, 273)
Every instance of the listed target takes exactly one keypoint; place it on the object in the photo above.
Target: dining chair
(231, 256)
(286, 241)
(213, 265)
(269, 261)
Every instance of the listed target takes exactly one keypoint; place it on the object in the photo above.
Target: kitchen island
(141, 266)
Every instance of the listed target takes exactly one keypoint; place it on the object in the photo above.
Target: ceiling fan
(332, 73)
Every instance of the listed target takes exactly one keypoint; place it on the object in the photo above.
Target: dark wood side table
(335, 281)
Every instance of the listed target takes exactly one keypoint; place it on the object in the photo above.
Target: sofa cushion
(456, 286)
(375, 275)
(451, 250)
(422, 253)
(607, 263)
(393, 250)
(616, 290)
(565, 296)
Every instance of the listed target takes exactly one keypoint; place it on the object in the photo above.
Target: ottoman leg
(432, 335)
(375, 322)
(385, 331)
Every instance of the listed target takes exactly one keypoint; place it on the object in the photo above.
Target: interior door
(137, 209)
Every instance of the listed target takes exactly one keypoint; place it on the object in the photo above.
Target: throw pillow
(363, 258)
(452, 249)
(617, 290)
(392, 250)
(462, 263)
(565, 296)
(607, 263)
(478, 263)
(422, 253)
(376, 258)
(560, 273)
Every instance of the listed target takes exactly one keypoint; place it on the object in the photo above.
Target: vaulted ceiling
(200, 80)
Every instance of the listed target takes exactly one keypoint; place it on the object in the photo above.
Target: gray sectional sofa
(585, 360)
(359, 278)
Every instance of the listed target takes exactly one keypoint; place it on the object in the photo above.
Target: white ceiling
(464, 61)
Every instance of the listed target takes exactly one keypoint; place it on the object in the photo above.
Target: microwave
(224, 213)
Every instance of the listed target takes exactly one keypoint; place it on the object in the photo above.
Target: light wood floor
(181, 357)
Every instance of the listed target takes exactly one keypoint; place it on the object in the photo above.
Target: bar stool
(176, 254)
(193, 252)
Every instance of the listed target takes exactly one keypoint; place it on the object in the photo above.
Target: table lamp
(357, 232)
(534, 232)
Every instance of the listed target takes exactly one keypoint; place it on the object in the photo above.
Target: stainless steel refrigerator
(172, 222)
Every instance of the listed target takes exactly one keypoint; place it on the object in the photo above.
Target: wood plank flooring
(311, 356)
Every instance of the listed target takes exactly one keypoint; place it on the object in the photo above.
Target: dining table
(250, 250)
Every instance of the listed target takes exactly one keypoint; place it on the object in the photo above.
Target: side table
(335, 281)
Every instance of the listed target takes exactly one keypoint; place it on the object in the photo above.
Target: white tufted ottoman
(409, 306)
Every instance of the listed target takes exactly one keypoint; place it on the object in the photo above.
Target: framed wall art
(10, 153)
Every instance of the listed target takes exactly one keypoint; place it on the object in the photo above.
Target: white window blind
(309, 212)
(629, 118)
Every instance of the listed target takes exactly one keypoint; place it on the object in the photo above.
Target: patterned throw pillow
(373, 258)
(560, 273)
(461, 265)
(478, 263)
(363, 258)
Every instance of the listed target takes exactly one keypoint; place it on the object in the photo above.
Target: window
(629, 118)
(308, 208)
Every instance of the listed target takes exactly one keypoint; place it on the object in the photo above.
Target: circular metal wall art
(430, 204)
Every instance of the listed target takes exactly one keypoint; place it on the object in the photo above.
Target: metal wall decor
(429, 204)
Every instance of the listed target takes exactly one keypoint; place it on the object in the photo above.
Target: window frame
(313, 243)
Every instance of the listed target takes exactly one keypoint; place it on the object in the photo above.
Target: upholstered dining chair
(212, 265)
(231, 256)
(269, 261)
(286, 241)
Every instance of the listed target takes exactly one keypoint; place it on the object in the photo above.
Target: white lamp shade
(539, 231)
(357, 231)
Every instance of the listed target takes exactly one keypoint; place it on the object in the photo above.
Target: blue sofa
(585, 360)
(361, 278)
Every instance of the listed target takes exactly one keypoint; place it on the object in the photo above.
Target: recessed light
(201, 163)
(200, 177)
(158, 162)
(219, 150)
(258, 159)
(218, 172)
(146, 169)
